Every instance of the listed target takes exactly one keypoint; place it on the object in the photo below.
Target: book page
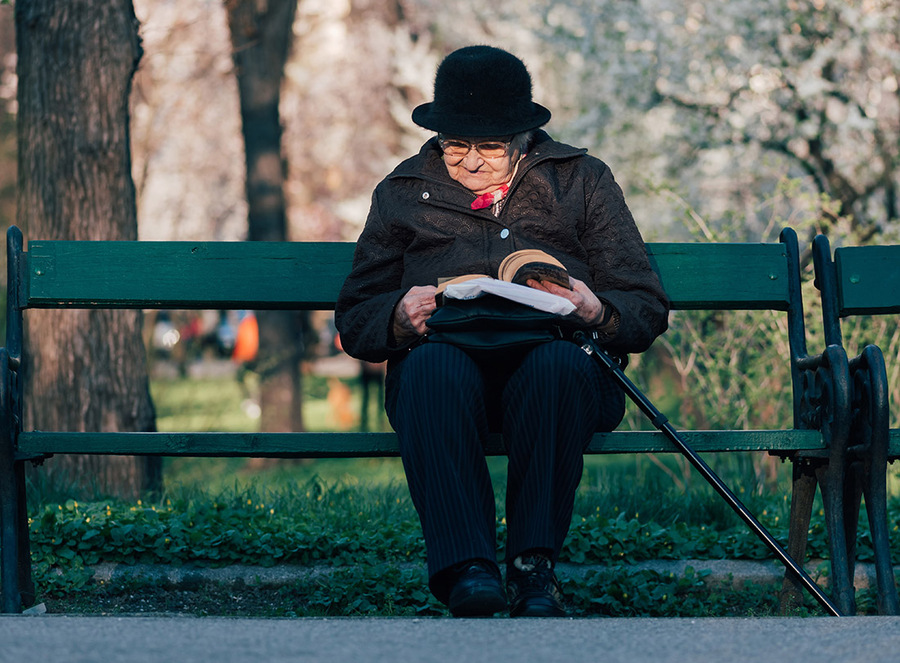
(444, 282)
(542, 301)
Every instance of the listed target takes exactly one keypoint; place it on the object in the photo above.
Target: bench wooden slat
(723, 276)
(868, 278)
(308, 275)
(355, 445)
(186, 275)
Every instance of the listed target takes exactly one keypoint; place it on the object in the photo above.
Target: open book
(514, 271)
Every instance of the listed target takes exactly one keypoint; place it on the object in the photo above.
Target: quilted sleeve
(365, 305)
(621, 269)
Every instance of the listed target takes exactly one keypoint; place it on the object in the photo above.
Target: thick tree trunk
(261, 32)
(87, 369)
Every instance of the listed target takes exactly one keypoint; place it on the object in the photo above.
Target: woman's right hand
(412, 311)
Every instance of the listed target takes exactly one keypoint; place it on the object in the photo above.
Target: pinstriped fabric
(440, 408)
(440, 419)
(552, 406)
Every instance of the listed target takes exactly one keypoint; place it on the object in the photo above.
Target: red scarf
(494, 197)
(490, 199)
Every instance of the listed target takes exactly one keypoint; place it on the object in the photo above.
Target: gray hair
(520, 143)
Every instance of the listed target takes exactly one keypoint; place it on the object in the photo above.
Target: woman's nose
(472, 160)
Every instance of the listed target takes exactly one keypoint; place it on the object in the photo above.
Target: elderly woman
(490, 183)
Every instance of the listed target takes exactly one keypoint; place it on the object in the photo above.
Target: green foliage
(380, 590)
(727, 364)
(339, 526)
(614, 540)
(370, 538)
(729, 369)
(620, 592)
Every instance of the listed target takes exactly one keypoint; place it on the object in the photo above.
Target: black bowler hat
(481, 92)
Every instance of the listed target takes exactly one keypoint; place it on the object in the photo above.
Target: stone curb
(734, 572)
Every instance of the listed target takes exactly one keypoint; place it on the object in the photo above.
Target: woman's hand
(412, 311)
(587, 307)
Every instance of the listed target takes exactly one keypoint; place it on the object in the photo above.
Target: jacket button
(425, 195)
(504, 233)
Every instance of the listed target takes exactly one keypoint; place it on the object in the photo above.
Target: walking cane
(662, 424)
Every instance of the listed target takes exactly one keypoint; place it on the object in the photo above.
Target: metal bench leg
(803, 493)
(876, 508)
(853, 491)
(9, 531)
(10, 600)
(27, 591)
(825, 405)
(872, 428)
(831, 479)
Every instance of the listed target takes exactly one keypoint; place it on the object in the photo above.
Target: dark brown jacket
(421, 228)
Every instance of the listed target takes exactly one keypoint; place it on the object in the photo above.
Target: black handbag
(492, 327)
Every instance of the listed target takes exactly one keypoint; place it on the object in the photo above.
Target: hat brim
(474, 126)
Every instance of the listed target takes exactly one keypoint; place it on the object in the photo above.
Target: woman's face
(476, 172)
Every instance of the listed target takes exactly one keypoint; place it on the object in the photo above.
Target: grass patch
(369, 535)
(222, 403)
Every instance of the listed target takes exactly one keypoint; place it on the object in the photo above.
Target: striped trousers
(442, 404)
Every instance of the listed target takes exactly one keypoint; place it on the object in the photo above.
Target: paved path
(70, 639)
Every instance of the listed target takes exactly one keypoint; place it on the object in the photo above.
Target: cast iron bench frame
(864, 280)
(240, 275)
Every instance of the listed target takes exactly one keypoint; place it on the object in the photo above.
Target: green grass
(218, 403)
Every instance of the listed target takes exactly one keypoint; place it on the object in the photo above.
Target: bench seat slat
(341, 445)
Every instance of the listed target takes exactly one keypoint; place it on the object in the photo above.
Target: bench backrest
(308, 275)
(184, 275)
(868, 279)
(858, 280)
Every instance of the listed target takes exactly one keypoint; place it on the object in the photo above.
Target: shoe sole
(537, 608)
(480, 602)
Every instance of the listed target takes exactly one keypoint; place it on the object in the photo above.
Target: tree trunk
(261, 32)
(87, 369)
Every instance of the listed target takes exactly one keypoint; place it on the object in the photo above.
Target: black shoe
(532, 587)
(478, 591)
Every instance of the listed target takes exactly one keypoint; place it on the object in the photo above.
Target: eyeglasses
(458, 149)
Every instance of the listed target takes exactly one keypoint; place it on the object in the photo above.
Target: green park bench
(240, 275)
(864, 281)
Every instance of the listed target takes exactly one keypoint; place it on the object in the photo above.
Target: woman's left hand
(587, 307)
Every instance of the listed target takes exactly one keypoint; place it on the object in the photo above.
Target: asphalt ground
(145, 639)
